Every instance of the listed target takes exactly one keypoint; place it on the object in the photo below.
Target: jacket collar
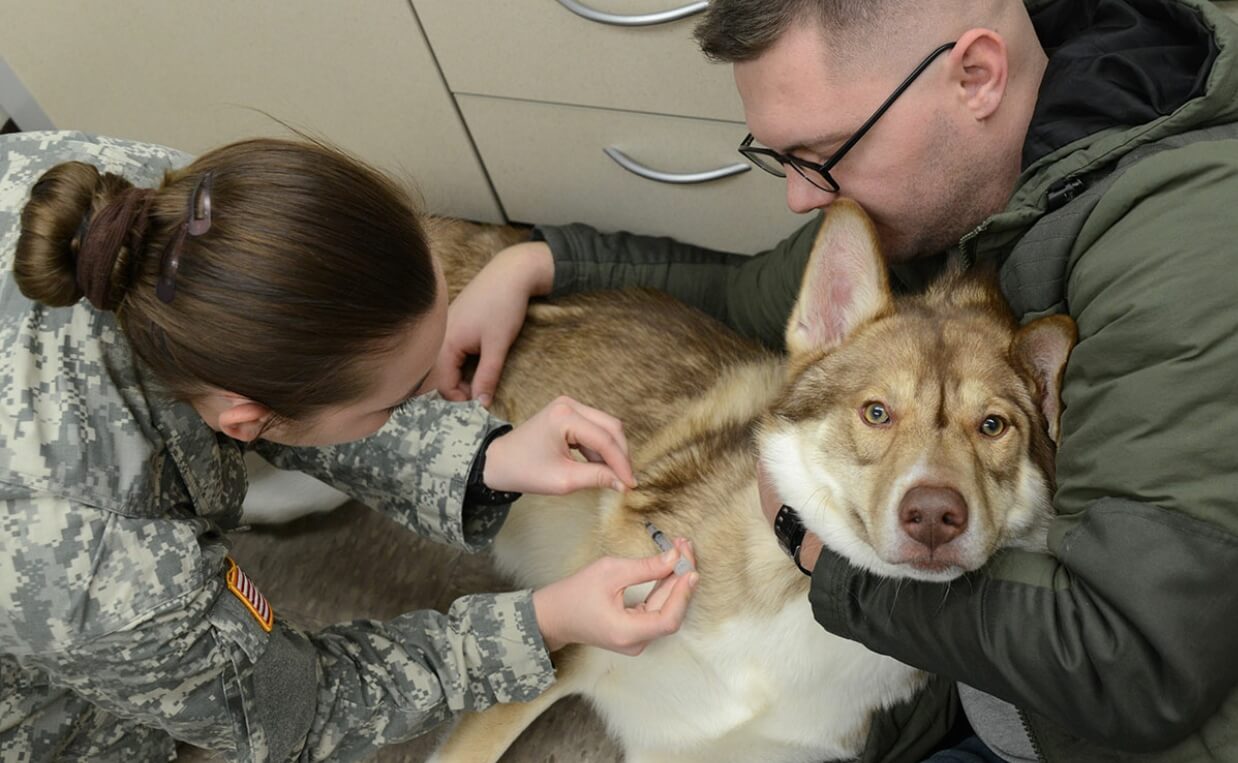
(1106, 132)
(1114, 64)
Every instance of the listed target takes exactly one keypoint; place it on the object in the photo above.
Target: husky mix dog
(913, 434)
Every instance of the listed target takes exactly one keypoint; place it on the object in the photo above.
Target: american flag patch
(245, 590)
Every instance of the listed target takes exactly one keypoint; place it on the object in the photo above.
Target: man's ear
(241, 418)
(980, 69)
(845, 282)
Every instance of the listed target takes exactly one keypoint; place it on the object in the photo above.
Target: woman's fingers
(581, 432)
(662, 591)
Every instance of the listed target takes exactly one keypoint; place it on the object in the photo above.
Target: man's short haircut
(741, 30)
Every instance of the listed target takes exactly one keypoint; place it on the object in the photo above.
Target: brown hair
(741, 30)
(312, 260)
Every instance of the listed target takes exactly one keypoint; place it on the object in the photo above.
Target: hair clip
(197, 222)
(200, 206)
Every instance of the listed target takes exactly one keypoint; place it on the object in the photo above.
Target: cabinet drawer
(547, 165)
(541, 51)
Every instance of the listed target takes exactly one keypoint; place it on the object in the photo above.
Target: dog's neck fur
(701, 447)
(771, 505)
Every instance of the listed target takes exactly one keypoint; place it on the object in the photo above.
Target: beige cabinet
(494, 110)
(539, 50)
(547, 162)
(194, 75)
(625, 127)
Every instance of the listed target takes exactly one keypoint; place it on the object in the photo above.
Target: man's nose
(803, 196)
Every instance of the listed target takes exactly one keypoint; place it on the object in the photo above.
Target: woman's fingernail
(693, 577)
(484, 400)
(669, 555)
(617, 486)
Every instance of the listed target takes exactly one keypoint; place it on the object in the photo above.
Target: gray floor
(355, 563)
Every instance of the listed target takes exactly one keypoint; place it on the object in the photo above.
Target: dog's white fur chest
(778, 688)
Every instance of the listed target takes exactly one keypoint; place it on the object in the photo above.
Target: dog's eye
(875, 413)
(993, 426)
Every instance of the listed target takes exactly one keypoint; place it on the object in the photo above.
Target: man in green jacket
(1090, 149)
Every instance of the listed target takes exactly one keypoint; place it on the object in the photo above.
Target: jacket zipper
(1031, 736)
(1059, 194)
(967, 245)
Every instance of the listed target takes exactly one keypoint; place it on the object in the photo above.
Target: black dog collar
(790, 533)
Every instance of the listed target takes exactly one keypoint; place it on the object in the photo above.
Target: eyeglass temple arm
(855, 137)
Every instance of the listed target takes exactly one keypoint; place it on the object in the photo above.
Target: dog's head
(915, 435)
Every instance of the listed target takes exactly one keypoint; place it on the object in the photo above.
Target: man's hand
(810, 549)
(486, 317)
(588, 608)
(536, 457)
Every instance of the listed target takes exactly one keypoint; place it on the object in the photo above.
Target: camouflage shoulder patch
(245, 590)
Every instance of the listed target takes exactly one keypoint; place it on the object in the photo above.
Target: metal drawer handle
(679, 178)
(643, 19)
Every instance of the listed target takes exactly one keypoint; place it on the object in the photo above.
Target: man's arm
(1124, 636)
(753, 295)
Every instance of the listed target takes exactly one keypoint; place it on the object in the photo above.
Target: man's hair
(741, 30)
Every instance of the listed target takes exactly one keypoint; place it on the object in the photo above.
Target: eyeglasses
(819, 174)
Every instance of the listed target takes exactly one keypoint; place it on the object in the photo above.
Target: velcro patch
(245, 590)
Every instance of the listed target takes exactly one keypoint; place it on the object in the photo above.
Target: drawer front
(542, 51)
(548, 165)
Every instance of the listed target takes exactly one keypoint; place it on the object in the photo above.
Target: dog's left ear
(1040, 350)
(845, 282)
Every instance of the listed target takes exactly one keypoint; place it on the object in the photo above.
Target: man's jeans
(970, 750)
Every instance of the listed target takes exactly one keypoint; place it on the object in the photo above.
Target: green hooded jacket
(1119, 643)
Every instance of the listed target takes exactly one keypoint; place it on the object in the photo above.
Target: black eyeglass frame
(753, 153)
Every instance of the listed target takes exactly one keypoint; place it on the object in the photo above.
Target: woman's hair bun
(53, 223)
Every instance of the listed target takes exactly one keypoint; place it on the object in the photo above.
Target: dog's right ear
(1041, 349)
(845, 283)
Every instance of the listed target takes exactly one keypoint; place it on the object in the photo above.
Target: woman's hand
(485, 318)
(588, 608)
(536, 457)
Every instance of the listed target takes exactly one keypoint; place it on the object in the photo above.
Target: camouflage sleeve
(414, 469)
(486, 649)
(216, 666)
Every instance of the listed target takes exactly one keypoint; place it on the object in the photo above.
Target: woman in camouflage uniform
(274, 294)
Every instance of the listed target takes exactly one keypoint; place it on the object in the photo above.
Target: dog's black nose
(933, 516)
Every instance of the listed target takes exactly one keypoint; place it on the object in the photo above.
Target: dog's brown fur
(648, 343)
(700, 404)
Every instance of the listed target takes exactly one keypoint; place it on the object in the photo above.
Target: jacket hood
(1121, 74)
(1115, 64)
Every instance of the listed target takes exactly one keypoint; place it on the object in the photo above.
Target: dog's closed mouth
(935, 566)
(938, 563)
